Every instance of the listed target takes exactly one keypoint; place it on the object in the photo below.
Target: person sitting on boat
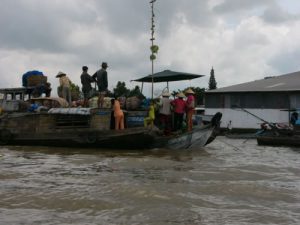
(165, 112)
(151, 115)
(86, 81)
(65, 84)
(179, 106)
(119, 115)
(190, 108)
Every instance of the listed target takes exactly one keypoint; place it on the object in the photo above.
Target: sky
(243, 40)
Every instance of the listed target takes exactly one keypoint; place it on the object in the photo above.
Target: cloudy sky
(242, 40)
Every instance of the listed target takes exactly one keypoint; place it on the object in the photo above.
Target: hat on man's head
(166, 94)
(180, 95)
(85, 68)
(60, 74)
(189, 91)
(104, 65)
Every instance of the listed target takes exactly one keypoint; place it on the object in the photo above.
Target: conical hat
(180, 95)
(189, 91)
(60, 74)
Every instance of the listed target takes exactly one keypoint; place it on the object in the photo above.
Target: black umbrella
(168, 75)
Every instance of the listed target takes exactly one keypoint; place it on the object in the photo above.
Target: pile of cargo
(33, 78)
(131, 103)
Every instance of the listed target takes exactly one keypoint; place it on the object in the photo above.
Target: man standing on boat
(86, 81)
(101, 78)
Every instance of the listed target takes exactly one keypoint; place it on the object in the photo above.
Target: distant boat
(279, 136)
(281, 140)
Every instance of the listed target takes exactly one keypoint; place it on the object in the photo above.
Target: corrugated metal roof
(286, 82)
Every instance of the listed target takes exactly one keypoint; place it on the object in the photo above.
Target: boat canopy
(168, 75)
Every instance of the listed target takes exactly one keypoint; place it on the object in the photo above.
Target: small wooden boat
(87, 127)
(280, 140)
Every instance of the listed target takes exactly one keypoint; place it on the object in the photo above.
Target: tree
(136, 91)
(121, 90)
(212, 84)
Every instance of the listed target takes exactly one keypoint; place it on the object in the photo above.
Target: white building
(269, 99)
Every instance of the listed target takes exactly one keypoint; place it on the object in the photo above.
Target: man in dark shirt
(86, 81)
(101, 78)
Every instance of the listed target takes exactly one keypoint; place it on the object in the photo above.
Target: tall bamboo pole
(152, 43)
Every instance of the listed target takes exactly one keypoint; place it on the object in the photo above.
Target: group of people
(100, 77)
(166, 106)
(178, 107)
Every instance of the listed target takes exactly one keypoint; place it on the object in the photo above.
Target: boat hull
(293, 140)
(93, 130)
(131, 138)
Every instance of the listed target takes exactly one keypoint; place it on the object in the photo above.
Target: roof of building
(286, 82)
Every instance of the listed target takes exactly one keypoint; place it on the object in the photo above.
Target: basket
(36, 80)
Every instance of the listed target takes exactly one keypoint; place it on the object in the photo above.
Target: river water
(231, 181)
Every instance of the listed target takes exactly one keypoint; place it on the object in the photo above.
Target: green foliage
(199, 94)
(152, 57)
(136, 91)
(174, 93)
(121, 90)
(75, 91)
(154, 49)
(212, 84)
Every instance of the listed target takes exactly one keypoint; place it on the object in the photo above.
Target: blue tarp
(28, 74)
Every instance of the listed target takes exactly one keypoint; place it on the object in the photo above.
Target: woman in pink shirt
(190, 108)
(179, 109)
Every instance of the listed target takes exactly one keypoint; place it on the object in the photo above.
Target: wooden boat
(280, 140)
(285, 136)
(90, 127)
(87, 127)
(276, 134)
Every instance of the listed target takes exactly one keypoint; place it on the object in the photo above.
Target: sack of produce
(133, 103)
(93, 102)
(33, 78)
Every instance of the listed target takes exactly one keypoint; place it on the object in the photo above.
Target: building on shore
(270, 99)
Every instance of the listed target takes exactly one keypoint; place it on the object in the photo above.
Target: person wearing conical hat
(179, 110)
(190, 108)
(165, 112)
(65, 84)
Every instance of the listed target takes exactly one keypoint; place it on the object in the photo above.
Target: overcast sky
(243, 40)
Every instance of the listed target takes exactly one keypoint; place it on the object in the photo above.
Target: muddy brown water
(231, 181)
